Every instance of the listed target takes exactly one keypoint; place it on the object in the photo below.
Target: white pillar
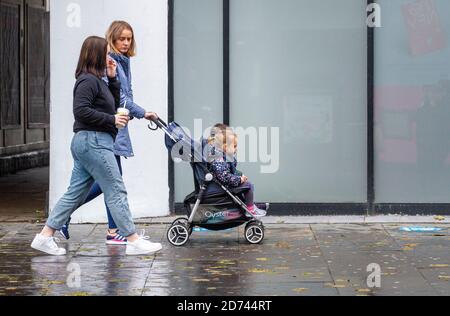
(146, 175)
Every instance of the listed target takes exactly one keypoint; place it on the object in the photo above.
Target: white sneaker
(142, 246)
(47, 245)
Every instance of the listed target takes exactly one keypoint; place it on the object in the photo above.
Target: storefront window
(412, 102)
(301, 65)
(198, 73)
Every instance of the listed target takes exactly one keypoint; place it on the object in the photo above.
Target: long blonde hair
(115, 32)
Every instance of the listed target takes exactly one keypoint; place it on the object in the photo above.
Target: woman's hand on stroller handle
(244, 179)
(156, 120)
(151, 116)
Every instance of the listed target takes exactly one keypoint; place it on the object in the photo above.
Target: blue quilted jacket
(123, 146)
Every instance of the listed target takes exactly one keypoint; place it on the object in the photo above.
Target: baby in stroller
(223, 164)
(221, 199)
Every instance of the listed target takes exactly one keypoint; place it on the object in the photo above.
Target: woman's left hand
(111, 68)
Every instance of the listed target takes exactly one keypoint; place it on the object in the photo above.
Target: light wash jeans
(95, 192)
(94, 161)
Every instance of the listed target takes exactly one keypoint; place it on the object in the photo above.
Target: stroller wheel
(254, 233)
(185, 222)
(178, 234)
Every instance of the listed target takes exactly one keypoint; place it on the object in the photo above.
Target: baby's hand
(244, 179)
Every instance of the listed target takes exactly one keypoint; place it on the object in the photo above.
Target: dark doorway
(24, 108)
(24, 84)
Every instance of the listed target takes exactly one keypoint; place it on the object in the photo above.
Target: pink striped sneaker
(117, 239)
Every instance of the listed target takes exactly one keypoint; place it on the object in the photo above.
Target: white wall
(146, 175)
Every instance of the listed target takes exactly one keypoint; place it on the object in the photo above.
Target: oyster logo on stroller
(222, 215)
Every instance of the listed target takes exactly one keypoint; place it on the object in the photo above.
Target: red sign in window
(424, 27)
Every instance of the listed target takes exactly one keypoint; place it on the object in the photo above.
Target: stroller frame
(179, 232)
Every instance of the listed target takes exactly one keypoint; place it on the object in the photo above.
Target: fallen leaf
(300, 290)
(262, 259)
(409, 247)
(226, 262)
(439, 265)
(259, 271)
(312, 273)
(283, 244)
(78, 294)
(336, 286)
(439, 218)
(56, 282)
(363, 291)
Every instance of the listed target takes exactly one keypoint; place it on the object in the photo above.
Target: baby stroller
(211, 206)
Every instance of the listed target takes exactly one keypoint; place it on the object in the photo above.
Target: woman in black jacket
(95, 106)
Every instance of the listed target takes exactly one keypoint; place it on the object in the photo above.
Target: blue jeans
(96, 191)
(94, 161)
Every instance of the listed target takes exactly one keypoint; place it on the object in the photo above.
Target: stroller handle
(160, 123)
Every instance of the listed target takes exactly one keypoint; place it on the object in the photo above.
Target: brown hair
(92, 57)
(115, 32)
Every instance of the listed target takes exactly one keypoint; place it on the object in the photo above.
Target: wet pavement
(32, 184)
(294, 260)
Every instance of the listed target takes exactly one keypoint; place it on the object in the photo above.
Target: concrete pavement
(294, 260)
